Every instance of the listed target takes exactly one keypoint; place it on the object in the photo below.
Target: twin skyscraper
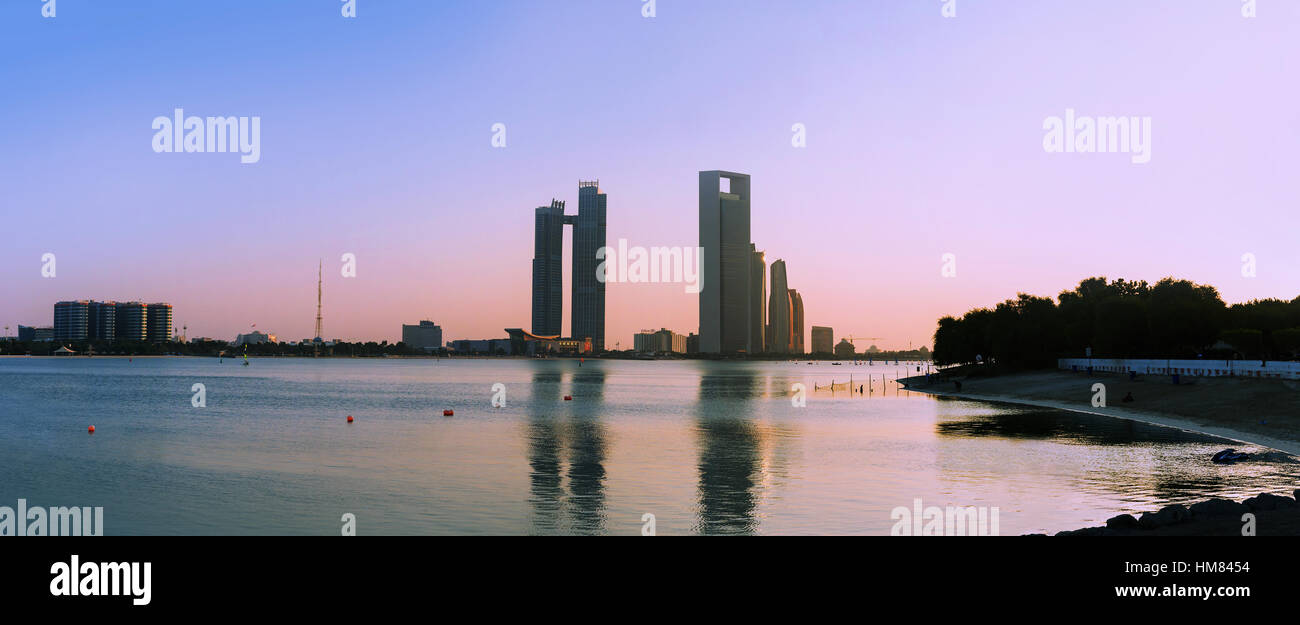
(736, 314)
(588, 294)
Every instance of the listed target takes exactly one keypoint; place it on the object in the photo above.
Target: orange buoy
(349, 418)
(448, 413)
(91, 429)
(568, 398)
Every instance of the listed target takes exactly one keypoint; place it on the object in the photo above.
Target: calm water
(706, 447)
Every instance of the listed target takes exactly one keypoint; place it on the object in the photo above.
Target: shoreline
(1200, 412)
(1185, 422)
(1140, 416)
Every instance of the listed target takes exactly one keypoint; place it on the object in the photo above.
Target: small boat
(1229, 456)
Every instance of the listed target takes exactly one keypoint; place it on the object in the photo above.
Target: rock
(1218, 508)
(1266, 501)
(1172, 514)
(1088, 531)
(1122, 522)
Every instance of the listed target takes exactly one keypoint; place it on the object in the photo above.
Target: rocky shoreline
(1274, 515)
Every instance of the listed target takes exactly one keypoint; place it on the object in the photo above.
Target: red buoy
(568, 398)
(92, 429)
(349, 418)
(448, 413)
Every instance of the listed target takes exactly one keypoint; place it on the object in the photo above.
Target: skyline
(388, 156)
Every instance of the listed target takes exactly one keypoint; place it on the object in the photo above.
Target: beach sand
(1262, 412)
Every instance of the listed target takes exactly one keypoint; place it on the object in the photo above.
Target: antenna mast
(319, 331)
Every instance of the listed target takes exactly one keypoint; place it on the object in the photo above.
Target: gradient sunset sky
(924, 137)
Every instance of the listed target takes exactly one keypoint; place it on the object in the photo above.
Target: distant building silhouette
(158, 323)
(724, 236)
(71, 320)
(426, 336)
(663, 341)
(81, 320)
(757, 301)
(779, 313)
(254, 338)
(823, 340)
(796, 323)
(131, 321)
(843, 350)
(103, 321)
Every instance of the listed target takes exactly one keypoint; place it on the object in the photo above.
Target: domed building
(844, 349)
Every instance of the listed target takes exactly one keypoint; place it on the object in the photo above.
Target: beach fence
(865, 385)
(1189, 368)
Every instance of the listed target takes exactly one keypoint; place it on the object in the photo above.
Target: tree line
(1120, 319)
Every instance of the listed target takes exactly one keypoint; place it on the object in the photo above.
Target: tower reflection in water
(571, 434)
(730, 455)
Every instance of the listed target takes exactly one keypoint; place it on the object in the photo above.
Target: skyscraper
(757, 300)
(724, 237)
(548, 260)
(779, 316)
(796, 323)
(588, 293)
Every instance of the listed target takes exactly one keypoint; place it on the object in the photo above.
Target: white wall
(1194, 368)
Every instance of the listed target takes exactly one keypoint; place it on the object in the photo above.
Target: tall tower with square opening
(724, 237)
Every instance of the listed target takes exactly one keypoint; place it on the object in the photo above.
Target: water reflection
(1015, 423)
(546, 491)
(730, 456)
(557, 430)
(587, 449)
(1144, 465)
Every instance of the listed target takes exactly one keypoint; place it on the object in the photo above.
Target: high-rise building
(588, 295)
(796, 323)
(724, 237)
(158, 324)
(823, 340)
(757, 300)
(548, 261)
(103, 321)
(72, 320)
(779, 318)
(426, 336)
(131, 321)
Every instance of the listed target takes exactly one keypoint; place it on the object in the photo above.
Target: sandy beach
(1261, 412)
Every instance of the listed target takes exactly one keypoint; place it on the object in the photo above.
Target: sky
(924, 137)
